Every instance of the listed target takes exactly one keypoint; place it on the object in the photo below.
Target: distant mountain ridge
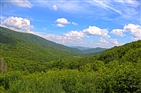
(87, 50)
(80, 47)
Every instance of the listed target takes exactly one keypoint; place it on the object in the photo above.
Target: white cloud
(60, 25)
(75, 38)
(22, 3)
(134, 30)
(74, 34)
(118, 32)
(102, 40)
(64, 39)
(80, 38)
(53, 37)
(108, 42)
(74, 23)
(95, 31)
(17, 23)
(55, 7)
(62, 21)
(114, 41)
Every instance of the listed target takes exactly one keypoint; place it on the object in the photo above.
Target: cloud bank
(17, 23)
(133, 29)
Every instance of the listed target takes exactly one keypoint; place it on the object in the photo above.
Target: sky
(87, 23)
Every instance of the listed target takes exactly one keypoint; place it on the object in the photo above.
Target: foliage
(34, 68)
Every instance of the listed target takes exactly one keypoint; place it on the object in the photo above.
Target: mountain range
(29, 63)
(26, 42)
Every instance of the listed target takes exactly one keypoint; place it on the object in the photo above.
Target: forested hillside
(116, 70)
(28, 49)
(13, 37)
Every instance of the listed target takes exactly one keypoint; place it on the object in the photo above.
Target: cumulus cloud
(102, 40)
(64, 39)
(62, 21)
(134, 30)
(17, 23)
(114, 41)
(60, 25)
(22, 3)
(74, 34)
(118, 32)
(74, 40)
(79, 37)
(55, 7)
(95, 31)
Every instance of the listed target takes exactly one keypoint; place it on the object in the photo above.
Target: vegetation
(30, 67)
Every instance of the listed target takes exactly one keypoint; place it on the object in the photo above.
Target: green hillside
(129, 52)
(28, 66)
(37, 40)
(18, 44)
(24, 48)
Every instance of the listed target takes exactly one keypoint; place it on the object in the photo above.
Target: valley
(32, 64)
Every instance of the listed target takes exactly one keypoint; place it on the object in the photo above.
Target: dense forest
(31, 64)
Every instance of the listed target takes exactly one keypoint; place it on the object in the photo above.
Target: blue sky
(89, 23)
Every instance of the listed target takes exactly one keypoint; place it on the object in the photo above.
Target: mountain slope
(18, 48)
(22, 48)
(39, 40)
(129, 52)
